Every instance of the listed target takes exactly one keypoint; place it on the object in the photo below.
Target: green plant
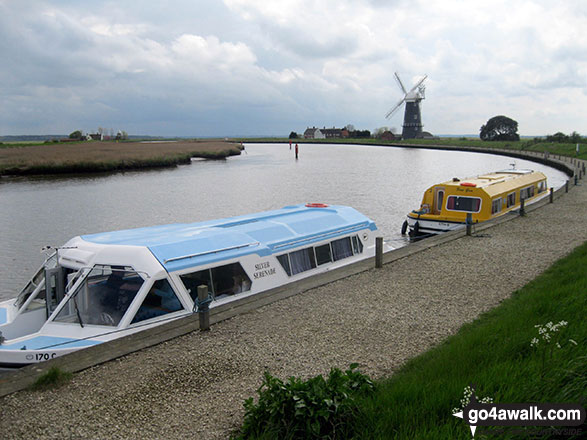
(316, 408)
(54, 377)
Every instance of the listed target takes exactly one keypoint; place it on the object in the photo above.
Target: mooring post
(522, 207)
(469, 223)
(551, 194)
(567, 186)
(576, 179)
(203, 307)
(378, 252)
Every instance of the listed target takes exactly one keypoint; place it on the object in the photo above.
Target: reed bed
(108, 156)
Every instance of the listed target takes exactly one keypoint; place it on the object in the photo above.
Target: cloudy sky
(259, 67)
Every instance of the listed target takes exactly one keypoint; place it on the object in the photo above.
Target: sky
(203, 68)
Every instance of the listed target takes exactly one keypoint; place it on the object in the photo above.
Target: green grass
(493, 353)
(53, 378)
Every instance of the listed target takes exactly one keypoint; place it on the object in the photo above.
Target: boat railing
(200, 254)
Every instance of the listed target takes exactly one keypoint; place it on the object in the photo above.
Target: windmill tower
(412, 127)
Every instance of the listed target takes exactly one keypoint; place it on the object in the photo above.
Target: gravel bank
(194, 386)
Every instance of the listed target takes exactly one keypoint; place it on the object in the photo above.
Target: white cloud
(272, 67)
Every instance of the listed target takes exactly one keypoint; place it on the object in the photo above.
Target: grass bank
(91, 157)
(563, 149)
(495, 353)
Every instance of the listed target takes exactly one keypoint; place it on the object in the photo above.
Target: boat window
(302, 260)
(541, 186)
(222, 281)
(526, 193)
(103, 297)
(284, 261)
(160, 301)
(511, 199)
(461, 203)
(230, 280)
(323, 254)
(32, 286)
(191, 281)
(341, 248)
(357, 245)
(496, 206)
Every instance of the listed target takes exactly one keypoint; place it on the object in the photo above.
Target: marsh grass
(107, 156)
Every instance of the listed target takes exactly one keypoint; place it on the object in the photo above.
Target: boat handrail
(327, 234)
(199, 254)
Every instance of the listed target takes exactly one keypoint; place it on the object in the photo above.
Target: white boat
(104, 286)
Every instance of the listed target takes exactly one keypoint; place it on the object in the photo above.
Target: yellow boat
(445, 206)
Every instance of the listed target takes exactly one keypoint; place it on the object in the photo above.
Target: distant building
(388, 136)
(325, 133)
(95, 137)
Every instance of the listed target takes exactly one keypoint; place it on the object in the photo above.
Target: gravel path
(194, 386)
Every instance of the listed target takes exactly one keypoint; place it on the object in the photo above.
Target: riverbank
(458, 144)
(195, 385)
(92, 157)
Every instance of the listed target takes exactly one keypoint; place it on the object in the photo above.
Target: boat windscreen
(103, 297)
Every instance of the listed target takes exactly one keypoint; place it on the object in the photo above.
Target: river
(382, 182)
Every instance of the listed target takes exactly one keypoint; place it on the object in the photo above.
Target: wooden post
(469, 223)
(203, 311)
(378, 252)
(567, 186)
(522, 207)
(576, 179)
(551, 194)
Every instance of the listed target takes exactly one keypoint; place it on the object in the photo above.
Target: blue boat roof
(184, 245)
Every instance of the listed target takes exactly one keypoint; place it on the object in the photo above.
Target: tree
(76, 135)
(500, 128)
(293, 135)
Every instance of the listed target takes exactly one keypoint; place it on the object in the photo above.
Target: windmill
(412, 127)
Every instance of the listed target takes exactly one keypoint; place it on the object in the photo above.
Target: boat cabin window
(323, 254)
(305, 259)
(103, 297)
(526, 193)
(341, 248)
(302, 260)
(160, 301)
(511, 199)
(284, 261)
(357, 245)
(496, 206)
(34, 285)
(541, 186)
(222, 281)
(461, 203)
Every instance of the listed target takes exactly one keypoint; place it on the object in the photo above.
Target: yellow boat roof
(499, 181)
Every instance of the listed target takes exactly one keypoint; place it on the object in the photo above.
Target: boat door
(54, 287)
(438, 200)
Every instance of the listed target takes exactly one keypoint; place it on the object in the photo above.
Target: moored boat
(445, 206)
(104, 286)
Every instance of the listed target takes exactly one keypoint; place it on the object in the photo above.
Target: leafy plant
(317, 408)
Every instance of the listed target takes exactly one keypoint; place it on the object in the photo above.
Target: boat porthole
(365, 236)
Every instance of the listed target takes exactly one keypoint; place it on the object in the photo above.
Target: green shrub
(317, 408)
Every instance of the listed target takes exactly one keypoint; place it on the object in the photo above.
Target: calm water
(383, 183)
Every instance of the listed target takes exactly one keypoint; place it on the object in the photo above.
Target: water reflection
(383, 183)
